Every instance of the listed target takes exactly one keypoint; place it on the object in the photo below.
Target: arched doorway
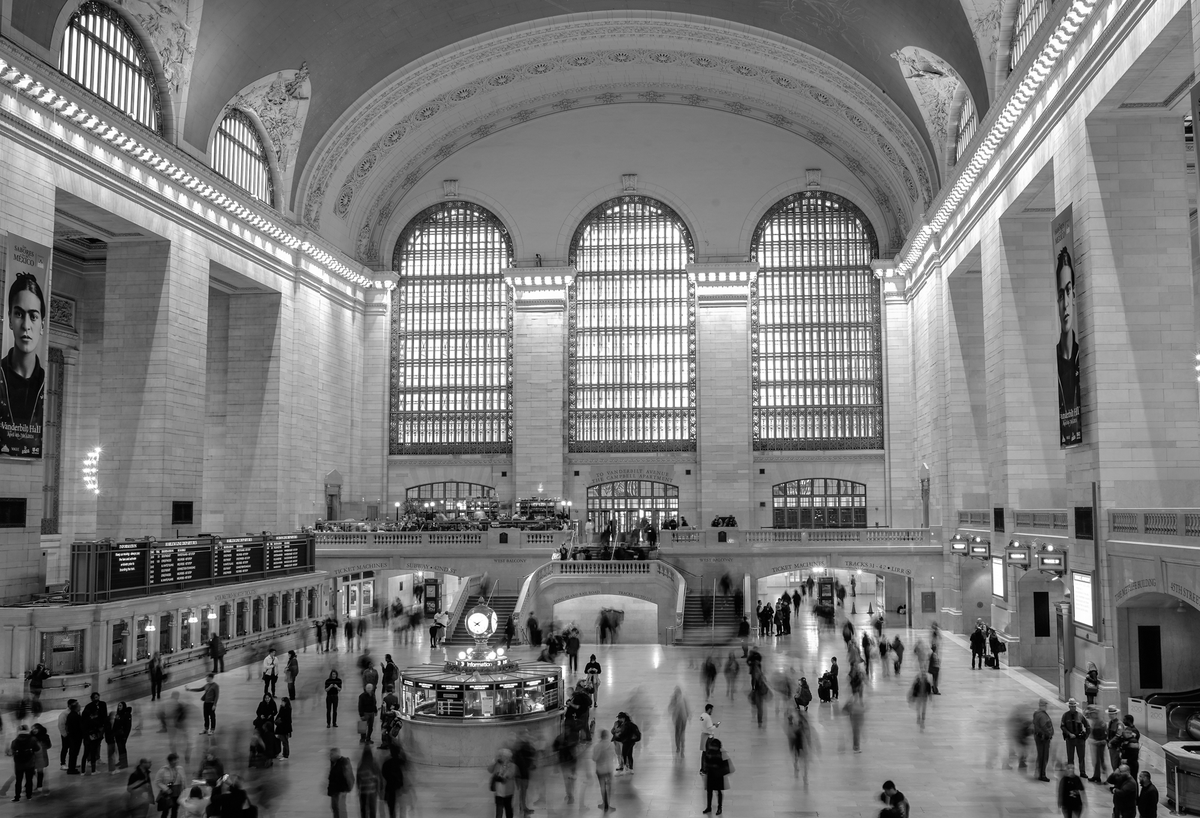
(626, 502)
(1156, 640)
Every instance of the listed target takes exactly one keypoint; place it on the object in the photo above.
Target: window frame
(239, 177)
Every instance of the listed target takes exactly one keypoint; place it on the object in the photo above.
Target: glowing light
(91, 470)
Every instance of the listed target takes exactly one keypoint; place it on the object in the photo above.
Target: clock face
(478, 622)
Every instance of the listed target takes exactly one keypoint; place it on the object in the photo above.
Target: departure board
(180, 561)
(128, 565)
(238, 556)
(286, 553)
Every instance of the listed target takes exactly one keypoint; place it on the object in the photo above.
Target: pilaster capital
(539, 289)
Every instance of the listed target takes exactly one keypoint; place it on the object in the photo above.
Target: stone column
(725, 420)
(152, 403)
(903, 498)
(539, 382)
(376, 384)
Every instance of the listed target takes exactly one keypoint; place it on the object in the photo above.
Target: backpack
(23, 753)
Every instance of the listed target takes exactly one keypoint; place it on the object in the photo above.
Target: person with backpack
(1075, 730)
(1091, 683)
(1131, 745)
(341, 781)
(627, 734)
(803, 694)
(1043, 733)
(23, 750)
(717, 765)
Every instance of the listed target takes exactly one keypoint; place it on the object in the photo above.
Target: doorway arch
(626, 502)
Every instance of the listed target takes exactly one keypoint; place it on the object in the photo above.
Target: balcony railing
(1163, 522)
(975, 516)
(503, 538)
(1051, 519)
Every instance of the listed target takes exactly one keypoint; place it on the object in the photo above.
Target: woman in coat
(41, 759)
(716, 766)
(122, 727)
(266, 710)
(290, 671)
(157, 676)
(283, 726)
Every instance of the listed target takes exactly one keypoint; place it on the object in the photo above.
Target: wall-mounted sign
(1082, 596)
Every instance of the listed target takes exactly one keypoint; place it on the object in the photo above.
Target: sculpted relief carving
(280, 101)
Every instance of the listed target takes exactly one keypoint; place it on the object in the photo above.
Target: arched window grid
(452, 318)
(632, 330)
(103, 54)
(819, 502)
(968, 122)
(238, 154)
(816, 333)
(1030, 15)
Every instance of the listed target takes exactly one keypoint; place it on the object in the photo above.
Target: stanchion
(853, 608)
(870, 609)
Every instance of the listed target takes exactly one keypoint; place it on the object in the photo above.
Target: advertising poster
(1066, 351)
(24, 348)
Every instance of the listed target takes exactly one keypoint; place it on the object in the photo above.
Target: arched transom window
(451, 355)
(631, 358)
(968, 122)
(817, 366)
(103, 54)
(239, 155)
(819, 502)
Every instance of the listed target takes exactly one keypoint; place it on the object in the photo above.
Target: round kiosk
(461, 713)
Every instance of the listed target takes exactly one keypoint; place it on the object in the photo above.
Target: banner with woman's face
(25, 348)
(1070, 404)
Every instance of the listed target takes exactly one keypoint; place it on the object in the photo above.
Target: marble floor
(953, 768)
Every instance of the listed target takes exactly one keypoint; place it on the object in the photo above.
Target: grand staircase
(727, 613)
(502, 605)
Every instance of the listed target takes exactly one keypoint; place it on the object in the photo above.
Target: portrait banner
(1066, 353)
(25, 346)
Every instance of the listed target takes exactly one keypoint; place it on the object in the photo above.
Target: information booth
(460, 713)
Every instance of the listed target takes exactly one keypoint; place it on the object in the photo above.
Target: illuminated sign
(1081, 590)
(998, 588)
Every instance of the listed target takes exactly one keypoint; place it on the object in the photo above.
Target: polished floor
(955, 767)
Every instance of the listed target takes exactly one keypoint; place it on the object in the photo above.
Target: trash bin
(1183, 774)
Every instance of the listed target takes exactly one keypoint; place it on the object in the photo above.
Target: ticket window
(208, 626)
(312, 603)
(479, 701)
(356, 593)
(143, 639)
(120, 639)
(417, 700)
(166, 634)
(62, 652)
(242, 618)
(186, 630)
(257, 620)
(224, 628)
(272, 611)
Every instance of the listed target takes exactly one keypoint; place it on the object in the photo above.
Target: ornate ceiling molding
(430, 92)
(933, 83)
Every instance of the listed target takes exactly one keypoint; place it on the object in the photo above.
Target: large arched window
(452, 334)
(1030, 16)
(102, 53)
(819, 502)
(816, 357)
(239, 155)
(968, 122)
(631, 355)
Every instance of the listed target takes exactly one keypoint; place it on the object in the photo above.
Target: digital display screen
(998, 577)
(128, 566)
(180, 561)
(236, 559)
(1081, 590)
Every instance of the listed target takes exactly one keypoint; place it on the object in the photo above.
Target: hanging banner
(1070, 406)
(25, 345)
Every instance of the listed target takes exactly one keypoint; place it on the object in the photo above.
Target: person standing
(122, 726)
(333, 689)
(283, 726)
(833, 677)
(1124, 793)
(866, 653)
(524, 757)
(573, 646)
(95, 726)
(1097, 739)
(210, 693)
(1147, 799)
(64, 733)
(270, 672)
(37, 681)
(1131, 745)
(367, 708)
(366, 778)
(717, 765)
(708, 730)
(604, 756)
(897, 654)
(978, 646)
(391, 673)
(290, 671)
(157, 675)
(1075, 730)
(997, 646)
(23, 750)
(75, 736)
(1043, 732)
(1091, 683)
(935, 669)
(168, 787)
(1071, 798)
(139, 790)
(628, 737)
(1112, 736)
(341, 781)
(510, 630)
(41, 759)
(503, 783)
(216, 652)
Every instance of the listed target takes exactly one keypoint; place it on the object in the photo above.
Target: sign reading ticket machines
(24, 348)
(1066, 352)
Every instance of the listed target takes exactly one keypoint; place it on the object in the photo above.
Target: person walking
(157, 675)
(283, 726)
(24, 749)
(566, 751)
(216, 652)
(392, 775)
(510, 630)
(366, 778)
(918, 696)
(340, 782)
(732, 668)
(503, 783)
(897, 654)
(717, 765)
(290, 671)
(168, 787)
(604, 756)
(270, 672)
(856, 709)
(1043, 733)
(573, 645)
(210, 693)
(95, 726)
(1147, 799)
(333, 689)
(139, 790)
(524, 757)
(1071, 797)
(367, 708)
(1075, 730)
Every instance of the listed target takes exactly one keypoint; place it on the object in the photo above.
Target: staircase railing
(473, 583)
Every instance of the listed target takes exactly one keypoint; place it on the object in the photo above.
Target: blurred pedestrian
(708, 673)
(604, 756)
(139, 790)
(716, 766)
(732, 668)
(503, 783)
(897, 654)
(918, 696)
(1071, 797)
(524, 756)
(566, 750)
(157, 675)
(168, 787)
(1097, 744)
(340, 782)
(935, 669)
(24, 750)
(799, 742)
(855, 709)
(392, 775)
(283, 726)
(1043, 733)
(41, 759)
(367, 780)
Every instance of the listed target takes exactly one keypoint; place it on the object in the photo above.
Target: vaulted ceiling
(364, 96)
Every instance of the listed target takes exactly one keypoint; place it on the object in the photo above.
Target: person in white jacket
(270, 672)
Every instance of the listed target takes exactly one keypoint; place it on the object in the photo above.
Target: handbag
(362, 726)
